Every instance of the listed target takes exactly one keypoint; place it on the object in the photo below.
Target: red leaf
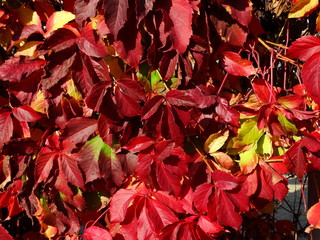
(313, 215)
(70, 169)
(151, 107)
(84, 10)
(79, 129)
(208, 226)
(96, 233)
(4, 235)
(202, 195)
(167, 179)
(180, 98)
(139, 143)
(44, 165)
(6, 127)
(26, 114)
(17, 68)
(226, 113)
(304, 47)
(226, 213)
(120, 203)
(224, 181)
(90, 44)
(264, 91)
(181, 16)
(311, 76)
(295, 160)
(115, 15)
(237, 66)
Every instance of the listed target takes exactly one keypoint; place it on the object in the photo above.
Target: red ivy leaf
(294, 159)
(84, 10)
(120, 203)
(224, 181)
(79, 129)
(311, 76)
(313, 215)
(70, 169)
(304, 47)
(115, 15)
(139, 143)
(17, 68)
(226, 213)
(6, 127)
(264, 91)
(96, 233)
(202, 195)
(4, 235)
(208, 226)
(26, 114)
(44, 165)
(180, 98)
(237, 66)
(181, 30)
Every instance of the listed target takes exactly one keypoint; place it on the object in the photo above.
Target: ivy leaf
(44, 164)
(311, 76)
(120, 203)
(303, 8)
(202, 195)
(237, 66)
(17, 68)
(224, 181)
(79, 129)
(98, 160)
(96, 233)
(115, 15)
(304, 47)
(26, 114)
(181, 30)
(226, 213)
(70, 169)
(294, 160)
(215, 141)
(209, 226)
(264, 91)
(6, 127)
(4, 235)
(313, 216)
(84, 10)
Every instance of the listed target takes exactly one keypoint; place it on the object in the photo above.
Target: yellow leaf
(318, 23)
(303, 8)
(216, 141)
(38, 102)
(248, 160)
(28, 49)
(58, 20)
(28, 17)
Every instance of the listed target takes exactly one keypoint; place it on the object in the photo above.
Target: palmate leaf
(311, 76)
(79, 129)
(6, 127)
(237, 66)
(17, 68)
(304, 47)
(96, 233)
(115, 14)
(98, 160)
(4, 235)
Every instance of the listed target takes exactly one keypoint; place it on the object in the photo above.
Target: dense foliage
(155, 119)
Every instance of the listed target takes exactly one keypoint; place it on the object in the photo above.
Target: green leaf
(286, 124)
(249, 159)
(248, 133)
(264, 146)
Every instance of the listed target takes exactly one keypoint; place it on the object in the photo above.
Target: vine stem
(279, 55)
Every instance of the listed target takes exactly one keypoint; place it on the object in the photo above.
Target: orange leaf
(313, 216)
(303, 8)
